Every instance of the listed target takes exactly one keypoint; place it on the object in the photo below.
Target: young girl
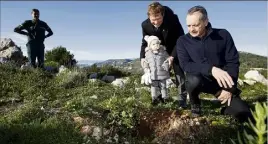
(156, 68)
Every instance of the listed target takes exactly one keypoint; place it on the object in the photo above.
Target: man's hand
(166, 65)
(225, 96)
(142, 62)
(222, 77)
(170, 60)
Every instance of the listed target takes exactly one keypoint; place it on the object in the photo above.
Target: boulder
(256, 76)
(10, 51)
(107, 78)
(51, 69)
(3, 60)
(249, 82)
(118, 82)
(25, 66)
(62, 69)
(6, 43)
(93, 76)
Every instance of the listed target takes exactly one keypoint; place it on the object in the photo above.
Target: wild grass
(39, 107)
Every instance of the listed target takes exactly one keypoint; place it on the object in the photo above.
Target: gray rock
(3, 60)
(254, 75)
(107, 78)
(93, 76)
(10, 51)
(6, 43)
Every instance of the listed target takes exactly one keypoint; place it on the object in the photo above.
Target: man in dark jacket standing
(211, 62)
(163, 23)
(36, 36)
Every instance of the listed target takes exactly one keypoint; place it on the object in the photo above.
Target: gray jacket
(157, 63)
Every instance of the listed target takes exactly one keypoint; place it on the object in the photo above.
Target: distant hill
(247, 60)
(115, 62)
(85, 63)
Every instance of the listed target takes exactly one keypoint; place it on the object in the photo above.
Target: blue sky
(102, 30)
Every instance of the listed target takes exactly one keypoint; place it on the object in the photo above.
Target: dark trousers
(36, 50)
(180, 80)
(195, 84)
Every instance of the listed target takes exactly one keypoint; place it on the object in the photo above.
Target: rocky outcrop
(9, 51)
(120, 82)
(252, 77)
(108, 78)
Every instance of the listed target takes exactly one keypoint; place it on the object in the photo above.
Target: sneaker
(196, 110)
(182, 104)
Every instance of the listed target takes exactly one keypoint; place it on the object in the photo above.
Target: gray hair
(200, 9)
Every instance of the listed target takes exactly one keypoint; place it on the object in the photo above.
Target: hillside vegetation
(247, 61)
(52, 106)
(39, 107)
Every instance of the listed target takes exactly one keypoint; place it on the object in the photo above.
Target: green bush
(54, 130)
(105, 70)
(61, 56)
(71, 78)
(52, 64)
(259, 128)
(49, 103)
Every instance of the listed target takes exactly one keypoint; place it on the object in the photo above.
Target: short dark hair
(35, 10)
(200, 9)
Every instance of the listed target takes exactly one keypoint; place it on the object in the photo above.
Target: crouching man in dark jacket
(36, 36)
(211, 62)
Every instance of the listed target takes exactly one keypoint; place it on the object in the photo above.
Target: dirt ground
(169, 126)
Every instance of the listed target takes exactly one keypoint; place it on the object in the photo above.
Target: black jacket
(217, 48)
(35, 30)
(171, 31)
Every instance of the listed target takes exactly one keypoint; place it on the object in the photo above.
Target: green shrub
(61, 56)
(110, 70)
(52, 64)
(25, 114)
(50, 102)
(260, 128)
(71, 79)
(105, 70)
(54, 130)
